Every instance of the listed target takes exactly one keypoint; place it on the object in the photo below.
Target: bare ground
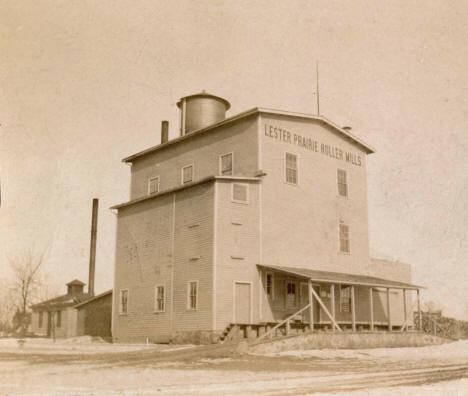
(221, 370)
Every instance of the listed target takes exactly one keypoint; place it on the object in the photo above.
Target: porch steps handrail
(267, 334)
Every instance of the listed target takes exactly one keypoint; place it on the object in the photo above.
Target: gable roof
(65, 300)
(257, 110)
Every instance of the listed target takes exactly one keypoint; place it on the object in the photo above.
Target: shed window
(41, 318)
(291, 168)
(240, 192)
(226, 164)
(159, 305)
(192, 301)
(344, 238)
(342, 183)
(59, 319)
(269, 284)
(153, 185)
(345, 298)
(187, 174)
(123, 302)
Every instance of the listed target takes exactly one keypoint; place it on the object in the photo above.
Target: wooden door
(242, 301)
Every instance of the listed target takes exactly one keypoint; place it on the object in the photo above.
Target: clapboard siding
(303, 219)
(145, 258)
(202, 151)
(237, 236)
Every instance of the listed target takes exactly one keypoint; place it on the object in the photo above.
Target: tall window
(123, 302)
(159, 299)
(153, 185)
(291, 292)
(226, 164)
(269, 284)
(344, 238)
(59, 319)
(240, 192)
(291, 168)
(187, 174)
(41, 318)
(342, 183)
(192, 302)
(345, 298)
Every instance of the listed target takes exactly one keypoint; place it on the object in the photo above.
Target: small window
(192, 301)
(41, 318)
(342, 183)
(159, 304)
(291, 168)
(291, 288)
(345, 298)
(123, 302)
(240, 192)
(226, 164)
(269, 284)
(59, 319)
(344, 238)
(187, 174)
(153, 185)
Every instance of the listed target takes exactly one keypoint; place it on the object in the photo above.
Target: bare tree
(25, 283)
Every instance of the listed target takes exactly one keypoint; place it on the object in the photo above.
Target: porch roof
(341, 278)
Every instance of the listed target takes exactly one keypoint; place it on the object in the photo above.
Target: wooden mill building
(246, 220)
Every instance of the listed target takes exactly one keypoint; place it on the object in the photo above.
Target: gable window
(123, 309)
(269, 284)
(192, 300)
(344, 238)
(153, 185)
(59, 319)
(41, 318)
(345, 298)
(291, 168)
(187, 174)
(226, 164)
(342, 183)
(159, 304)
(240, 192)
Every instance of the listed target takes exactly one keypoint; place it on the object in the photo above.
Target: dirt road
(218, 370)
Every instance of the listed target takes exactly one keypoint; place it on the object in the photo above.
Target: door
(242, 302)
(49, 324)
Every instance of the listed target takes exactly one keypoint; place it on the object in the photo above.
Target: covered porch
(318, 300)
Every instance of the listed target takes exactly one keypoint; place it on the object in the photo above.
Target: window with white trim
(226, 164)
(291, 168)
(187, 174)
(344, 238)
(159, 299)
(342, 183)
(240, 192)
(345, 298)
(123, 307)
(153, 185)
(192, 295)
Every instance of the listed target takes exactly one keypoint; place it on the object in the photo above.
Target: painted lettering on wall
(311, 144)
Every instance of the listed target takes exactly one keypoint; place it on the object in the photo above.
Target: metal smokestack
(92, 249)
(164, 132)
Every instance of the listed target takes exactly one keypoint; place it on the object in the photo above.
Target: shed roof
(257, 110)
(342, 278)
(94, 298)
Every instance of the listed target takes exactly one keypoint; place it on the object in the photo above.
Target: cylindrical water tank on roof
(201, 110)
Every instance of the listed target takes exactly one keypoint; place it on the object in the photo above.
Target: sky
(85, 84)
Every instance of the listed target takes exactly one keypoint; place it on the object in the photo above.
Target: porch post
(389, 315)
(353, 309)
(311, 307)
(419, 311)
(371, 309)
(332, 303)
(404, 307)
